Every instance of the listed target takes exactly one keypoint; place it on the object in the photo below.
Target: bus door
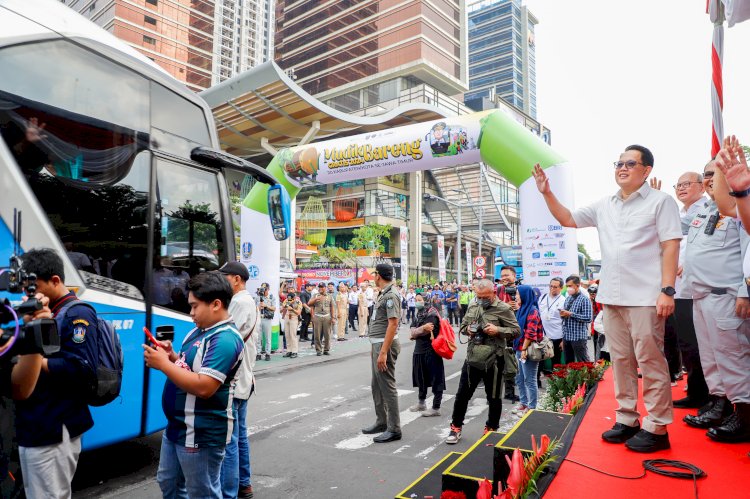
(189, 237)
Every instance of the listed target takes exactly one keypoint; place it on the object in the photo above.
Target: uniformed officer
(324, 315)
(713, 276)
(291, 311)
(385, 350)
(491, 322)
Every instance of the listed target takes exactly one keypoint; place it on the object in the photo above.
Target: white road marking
(298, 396)
(351, 414)
(404, 392)
(474, 410)
(454, 375)
(362, 441)
(401, 449)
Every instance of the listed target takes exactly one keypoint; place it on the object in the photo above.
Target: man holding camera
(50, 422)
(506, 292)
(266, 309)
(490, 325)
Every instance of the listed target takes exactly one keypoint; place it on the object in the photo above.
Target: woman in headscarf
(427, 368)
(530, 322)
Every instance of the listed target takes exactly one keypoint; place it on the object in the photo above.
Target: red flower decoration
(452, 494)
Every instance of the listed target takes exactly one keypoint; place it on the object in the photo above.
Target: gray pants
(322, 333)
(384, 392)
(48, 470)
(576, 351)
(724, 347)
(266, 325)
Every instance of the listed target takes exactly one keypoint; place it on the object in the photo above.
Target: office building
(502, 58)
(199, 42)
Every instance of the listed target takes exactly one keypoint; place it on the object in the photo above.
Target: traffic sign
(480, 261)
(481, 273)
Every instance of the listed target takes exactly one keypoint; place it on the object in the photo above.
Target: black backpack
(109, 358)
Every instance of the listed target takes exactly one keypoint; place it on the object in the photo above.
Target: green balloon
(512, 150)
(257, 198)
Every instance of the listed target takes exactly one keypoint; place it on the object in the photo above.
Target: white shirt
(630, 234)
(411, 299)
(686, 216)
(353, 299)
(369, 293)
(244, 315)
(549, 310)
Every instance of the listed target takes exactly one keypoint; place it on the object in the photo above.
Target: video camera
(477, 331)
(37, 336)
(512, 289)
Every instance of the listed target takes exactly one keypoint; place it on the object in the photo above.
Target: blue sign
(254, 271)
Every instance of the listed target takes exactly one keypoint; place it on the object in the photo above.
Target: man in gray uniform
(713, 276)
(385, 350)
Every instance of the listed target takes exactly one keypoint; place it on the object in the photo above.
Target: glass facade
(501, 54)
(332, 43)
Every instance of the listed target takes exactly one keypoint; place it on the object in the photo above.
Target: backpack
(109, 359)
(445, 342)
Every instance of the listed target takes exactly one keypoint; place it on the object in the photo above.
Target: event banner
(441, 258)
(404, 239)
(336, 276)
(423, 146)
(260, 254)
(549, 250)
(468, 262)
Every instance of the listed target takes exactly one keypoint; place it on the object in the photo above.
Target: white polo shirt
(630, 234)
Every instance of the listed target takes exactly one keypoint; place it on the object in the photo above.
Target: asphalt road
(304, 426)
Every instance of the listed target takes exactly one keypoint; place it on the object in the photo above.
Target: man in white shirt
(550, 305)
(690, 192)
(353, 303)
(370, 295)
(235, 470)
(639, 234)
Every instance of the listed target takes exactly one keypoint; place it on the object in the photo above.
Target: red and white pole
(716, 12)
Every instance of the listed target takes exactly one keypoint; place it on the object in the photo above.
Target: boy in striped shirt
(197, 397)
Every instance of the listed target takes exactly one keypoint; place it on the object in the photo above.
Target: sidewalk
(339, 349)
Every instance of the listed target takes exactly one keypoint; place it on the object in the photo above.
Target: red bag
(445, 342)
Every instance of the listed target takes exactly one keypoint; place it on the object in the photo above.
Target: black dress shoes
(388, 436)
(688, 403)
(620, 433)
(645, 441)
(735, 428)
(376, 428)
(712, 417)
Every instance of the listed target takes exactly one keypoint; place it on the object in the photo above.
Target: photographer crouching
(489, 323)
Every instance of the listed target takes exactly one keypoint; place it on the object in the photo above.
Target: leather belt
(718, 291)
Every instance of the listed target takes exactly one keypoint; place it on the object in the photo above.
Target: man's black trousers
(470, 378)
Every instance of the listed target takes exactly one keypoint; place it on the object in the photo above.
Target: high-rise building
(356, 54)
(199, 42)
(502, 58)
(244, 36)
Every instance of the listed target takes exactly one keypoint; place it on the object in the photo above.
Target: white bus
(114, 164)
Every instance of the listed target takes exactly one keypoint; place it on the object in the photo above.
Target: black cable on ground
(663, 467)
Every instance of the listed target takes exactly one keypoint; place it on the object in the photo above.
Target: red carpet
(727, 465)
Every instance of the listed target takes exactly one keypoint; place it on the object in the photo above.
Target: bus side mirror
(279, 211)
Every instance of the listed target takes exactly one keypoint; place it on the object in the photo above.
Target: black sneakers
(620, 433)
(645, 441)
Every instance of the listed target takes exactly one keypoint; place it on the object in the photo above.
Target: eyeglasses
(708, 174)
(684, 185)
(629, 165)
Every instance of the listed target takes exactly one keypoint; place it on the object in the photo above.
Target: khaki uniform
(498, 314)
(322, 323)
(293, 309)
(342, 307)
(362, 313)
(384, 392)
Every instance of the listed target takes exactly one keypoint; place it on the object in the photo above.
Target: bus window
(103, 227)
(189, 231)
(177, 115)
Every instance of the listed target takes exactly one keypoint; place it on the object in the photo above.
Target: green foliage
(370, 237)
(334, 255)
(565, 379)
(582, 249)
(205, 225)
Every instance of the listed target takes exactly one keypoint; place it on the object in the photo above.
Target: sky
(615, 73)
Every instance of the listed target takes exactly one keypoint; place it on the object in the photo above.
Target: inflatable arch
(489, 136)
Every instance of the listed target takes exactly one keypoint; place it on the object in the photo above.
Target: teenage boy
(199, 388)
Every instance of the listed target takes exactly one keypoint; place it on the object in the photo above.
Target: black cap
(235, 268)
(321, 284)
(385, 270)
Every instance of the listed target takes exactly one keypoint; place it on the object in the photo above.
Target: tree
(582, 249)
(371, 237)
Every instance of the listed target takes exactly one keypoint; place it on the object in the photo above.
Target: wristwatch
(740, 194)
(669, 291)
